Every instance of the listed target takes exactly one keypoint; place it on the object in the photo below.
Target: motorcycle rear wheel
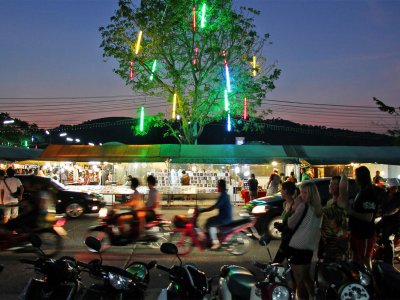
(239, 244)
(52, 243)
(182, 242)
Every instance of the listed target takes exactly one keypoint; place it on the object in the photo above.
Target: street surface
(15, 274)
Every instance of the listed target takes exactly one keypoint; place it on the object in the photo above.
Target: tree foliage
(395, 112)
(168, 37)
(19, 133)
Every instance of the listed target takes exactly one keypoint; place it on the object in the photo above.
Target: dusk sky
(330, 52)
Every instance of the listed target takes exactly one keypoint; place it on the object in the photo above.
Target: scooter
(109, 231)
(234, 237)
(239, 283)
(51, 237)
(54, 279)
(129, 282)
(186, 280)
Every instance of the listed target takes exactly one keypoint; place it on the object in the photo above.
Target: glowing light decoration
(139, 40)
(153, 69)
(227, 77)
(245, 109)
(131, 70)
(226, 100)
(174, 106)
(254, 64)
(141, 126)
(194, 18)
(196, 53)
(203, 16)
(228, 123)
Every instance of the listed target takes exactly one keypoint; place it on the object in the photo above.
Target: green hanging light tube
(141, 126)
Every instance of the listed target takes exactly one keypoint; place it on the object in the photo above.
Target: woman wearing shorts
(307, 218)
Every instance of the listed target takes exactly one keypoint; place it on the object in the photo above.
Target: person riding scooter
(224, 216)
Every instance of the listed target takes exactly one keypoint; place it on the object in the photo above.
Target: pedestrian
(12, 195)
(185, 181)
(306, 223)
(304, 174)
(2, 192)
(153, 200)
(224, 216)
(253, 187)
(334, 243)
(377, 180)
(292, 178)
(389, 224)
(288, 194)
(273, 183)
(361, 213)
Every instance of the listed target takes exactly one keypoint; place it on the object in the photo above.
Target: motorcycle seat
(235, 223)
(387, 273)
(239, 281)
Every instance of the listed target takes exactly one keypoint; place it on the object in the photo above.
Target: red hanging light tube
(245, 109)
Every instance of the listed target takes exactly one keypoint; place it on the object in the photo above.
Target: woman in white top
(12, 185)
(307, 218)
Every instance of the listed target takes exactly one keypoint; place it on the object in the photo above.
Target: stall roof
(110, 153)
(222, 154)
(318, 155)
(231, 154)
(18, 154)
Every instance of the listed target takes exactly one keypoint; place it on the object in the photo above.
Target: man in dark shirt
(361, 215)
(253, 187)
(224, 216)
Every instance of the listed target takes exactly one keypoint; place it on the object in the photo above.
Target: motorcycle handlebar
(28, 261)
(84, 265)
(163, 268)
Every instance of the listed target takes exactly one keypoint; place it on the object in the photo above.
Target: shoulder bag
(15, 194)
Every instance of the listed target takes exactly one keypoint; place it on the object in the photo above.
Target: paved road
(15, 274)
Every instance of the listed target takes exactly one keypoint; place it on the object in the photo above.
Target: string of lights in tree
(227, 90)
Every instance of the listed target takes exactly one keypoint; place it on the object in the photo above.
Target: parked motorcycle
(129, 282)
(237, 282)
(54, 278)
(51, 237)
(109, 230)
(186, 280)
(234, 237)
(342, 280)
(386, 280)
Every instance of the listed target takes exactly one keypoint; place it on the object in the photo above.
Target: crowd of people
(344, 228)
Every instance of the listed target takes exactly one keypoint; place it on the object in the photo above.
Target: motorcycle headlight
(103, 212)
(280, 292)
(118, 282)
(365, 280)
(259, 209)
(353, 291)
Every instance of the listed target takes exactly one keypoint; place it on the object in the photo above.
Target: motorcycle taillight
(60, 223)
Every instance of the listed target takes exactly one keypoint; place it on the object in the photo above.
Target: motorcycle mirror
(265, 239)
(93, 243)
(151, 264)
(169, 248)
(35, 240)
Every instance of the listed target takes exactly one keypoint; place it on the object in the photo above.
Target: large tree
(191, 63)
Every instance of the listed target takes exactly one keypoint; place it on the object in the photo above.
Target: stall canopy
(109, 153)
(18, 154)
(231, 154)
(222, 154)
(320, 155)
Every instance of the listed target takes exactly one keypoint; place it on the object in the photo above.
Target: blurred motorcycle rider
(137, 221)
(224, 216)
(33, 213)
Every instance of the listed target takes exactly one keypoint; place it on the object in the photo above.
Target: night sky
(330, 52)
